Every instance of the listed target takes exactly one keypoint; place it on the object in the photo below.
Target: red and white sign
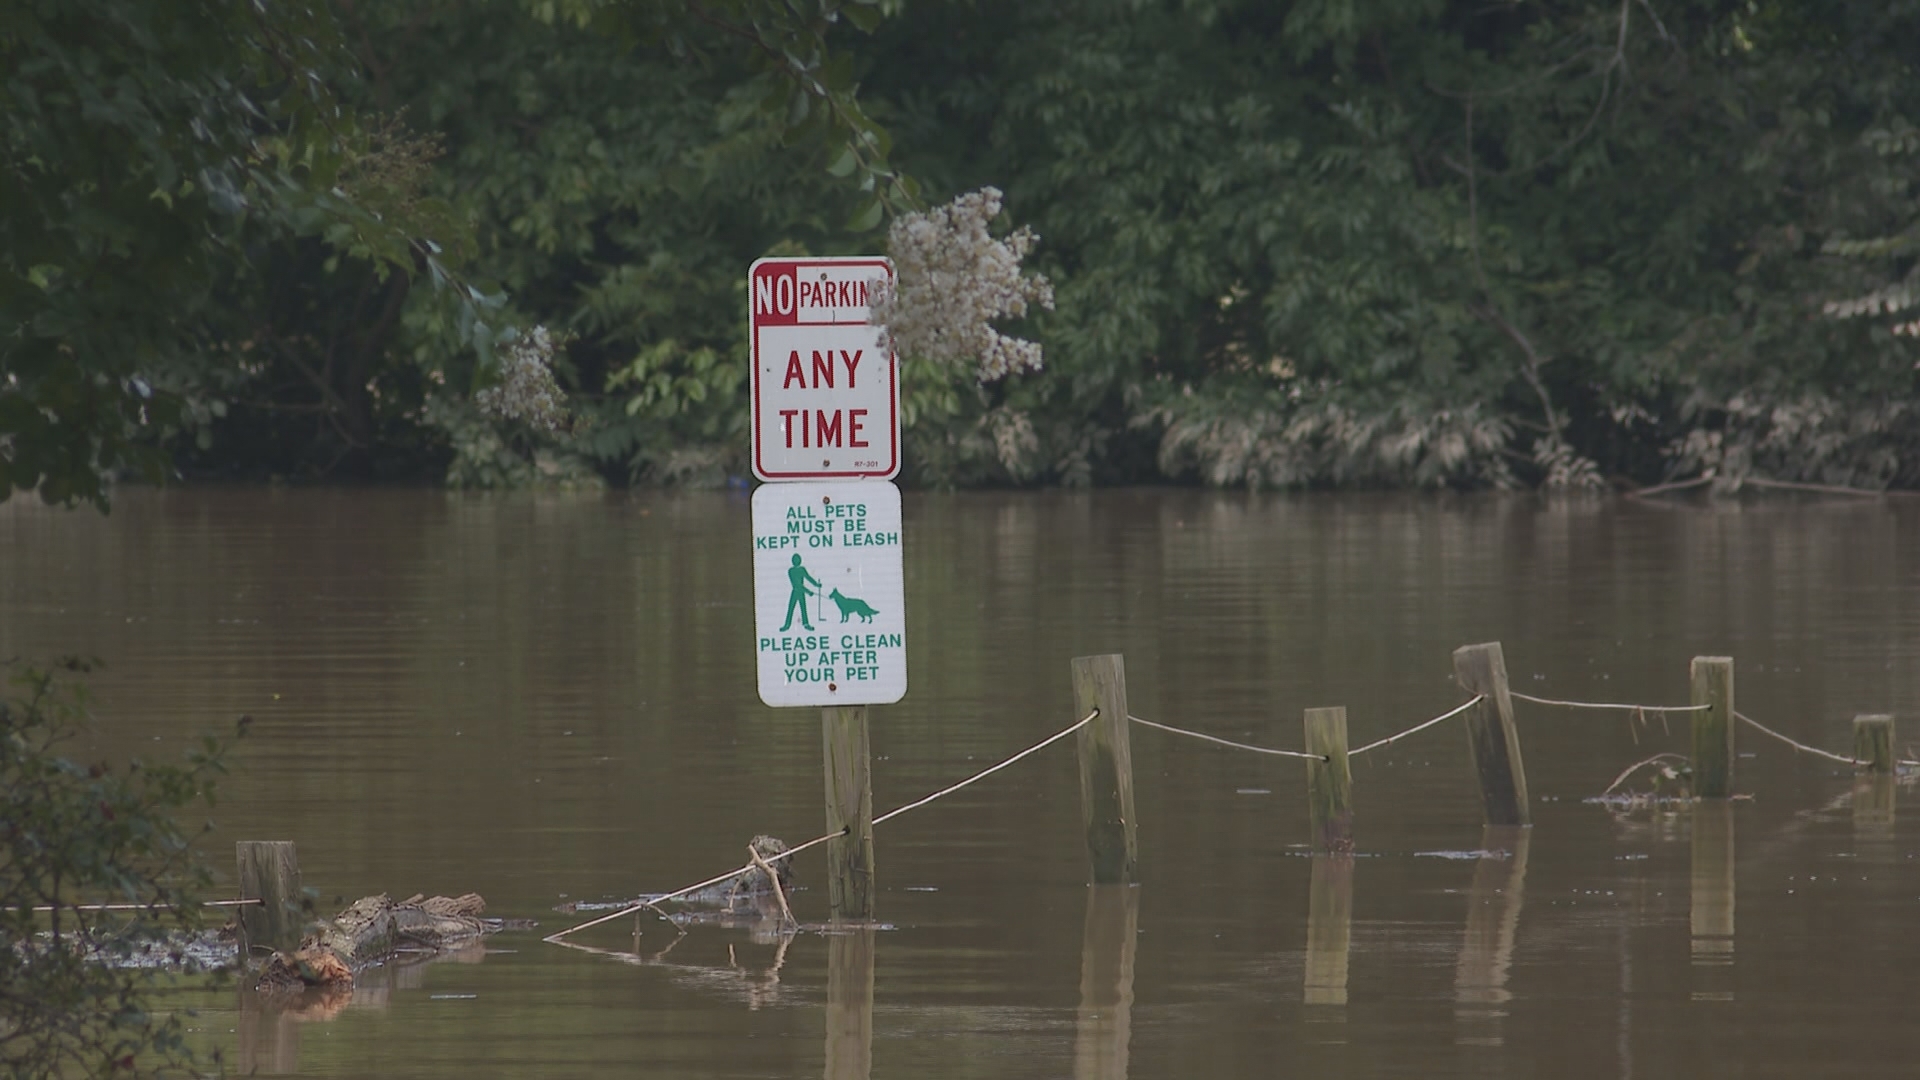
(826, 396)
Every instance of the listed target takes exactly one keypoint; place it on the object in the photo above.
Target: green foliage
(1320, 244)
(71, 834)
(152, 148)
(621, 165)
(1594, 227)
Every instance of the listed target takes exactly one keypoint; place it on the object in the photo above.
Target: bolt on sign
(826, 396)
(829, 602)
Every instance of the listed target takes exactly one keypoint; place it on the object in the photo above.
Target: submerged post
(1106, 768)
(269, 873)
(843, 732)
(1491, 734)
(1329, 782)
(1712, 679)
(1873, 742)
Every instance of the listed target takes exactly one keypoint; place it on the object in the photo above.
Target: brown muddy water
(547, 699)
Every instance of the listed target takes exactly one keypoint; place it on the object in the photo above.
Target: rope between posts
(1607, 705)
(131, 907)
(1477, 699)
(792, 851)
(1227, 742)
(989, 771)
(1797, 745)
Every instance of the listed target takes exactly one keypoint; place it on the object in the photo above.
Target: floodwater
(550, 699)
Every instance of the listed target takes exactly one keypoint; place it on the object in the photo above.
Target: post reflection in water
(1329, 929)
(269, 1036)
(850, 1004)
(1493, 917)
(1105, 1024)
(1712, 898)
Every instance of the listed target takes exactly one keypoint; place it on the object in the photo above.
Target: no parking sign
(826, 395)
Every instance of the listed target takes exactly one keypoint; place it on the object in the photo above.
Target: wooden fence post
(850, 889)
(1106, 768)
(1873, 742)
(1712, 681)
(1329, 782)
(269, 873)
(1491, 734)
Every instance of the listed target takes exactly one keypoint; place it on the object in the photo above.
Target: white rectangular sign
(829, 600)
(826, 396)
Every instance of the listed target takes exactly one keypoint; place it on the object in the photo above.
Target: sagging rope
(1607, 705)
(792, 851)
(131, 907)
(1228, 742)
(990, 770)
(1391, 739)
(1375, 745)
(1797, 745)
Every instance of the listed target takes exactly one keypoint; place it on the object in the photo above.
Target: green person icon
(798, 600)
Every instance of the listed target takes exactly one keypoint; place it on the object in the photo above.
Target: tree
(196, 214)
(73, 834)
(151, 146)
(1427, 243)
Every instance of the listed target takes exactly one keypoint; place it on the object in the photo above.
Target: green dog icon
(849, 605)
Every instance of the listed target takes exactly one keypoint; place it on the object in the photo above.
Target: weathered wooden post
(850, 887)
(1329, 782)
(1873, 742)
(1874, 796)
(1712, 681)
(1106, 768)
(269, 873)
(1491, 734)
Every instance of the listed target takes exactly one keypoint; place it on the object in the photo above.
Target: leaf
(865, 218)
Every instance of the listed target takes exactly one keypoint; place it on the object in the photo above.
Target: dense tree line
(1319, 243)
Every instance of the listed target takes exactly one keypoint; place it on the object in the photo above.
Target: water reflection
(374, 987)
(850, 1005)
(562, 670)
(1329, 929)
(268, 1028)
(753, 982)
(269, 1036)
(1712, 884)
(1480, 991)
(1104, 1027)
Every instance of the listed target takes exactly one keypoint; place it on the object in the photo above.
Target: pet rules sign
(829, 602)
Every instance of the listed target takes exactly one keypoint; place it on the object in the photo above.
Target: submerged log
(372, 929)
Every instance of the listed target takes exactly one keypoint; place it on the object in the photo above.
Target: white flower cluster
(954, 278)
(526, 391)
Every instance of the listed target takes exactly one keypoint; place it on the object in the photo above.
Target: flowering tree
(955, 278)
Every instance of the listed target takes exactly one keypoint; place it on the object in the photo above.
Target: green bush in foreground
(75, 834)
